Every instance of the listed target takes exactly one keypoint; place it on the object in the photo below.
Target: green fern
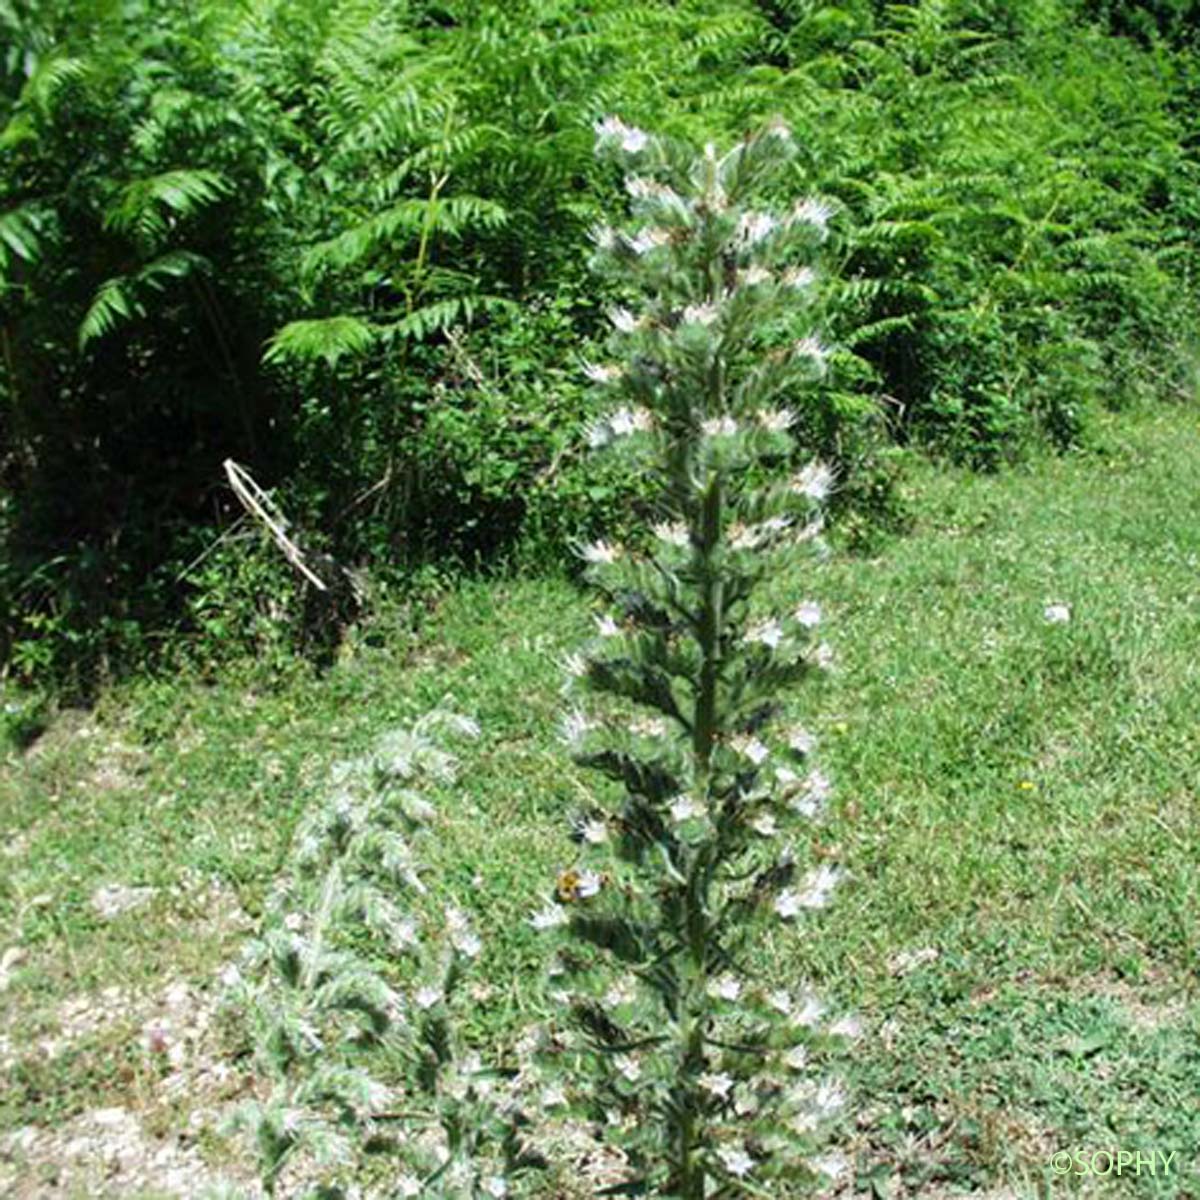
(326, 339)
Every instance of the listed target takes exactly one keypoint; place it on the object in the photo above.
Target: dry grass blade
(259, 505)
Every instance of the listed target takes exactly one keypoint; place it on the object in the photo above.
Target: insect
(576, 885)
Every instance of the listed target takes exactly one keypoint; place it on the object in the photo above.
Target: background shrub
(284, 231)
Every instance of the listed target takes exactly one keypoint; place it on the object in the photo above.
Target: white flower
(808, 1011)
(496, 1186)
(551, 917)
(630, 420)
(404, 932)
(466, 943)
(787, 904)
(599, 373)
(594, 832)
(683, 808)
(753, 227)
(419, 809)
(700, 314)
(829, 1098)
(622, 992)
(796, 1058)
(575, 727)
(764, 825)
(612, 128)
(575, 665)
(817, 790)
(719, 427)
(799, 277)
(716, 1085)
(735, 1160)
(766, 633)
(811, 530)
(818, 887)
(408, 1185)
(800, 740)
(601, 552)
(812, 212)
(811, 347)
(776, 420)
(909, 960)
(750, 747)
(427, 997)
(604, 236)
(628, 1067)
(725, 987)
(648, 239)
(674, 533)
(832, 1166)
(744, 537)
(823, 656)
(623, 320)
(754, 275)
(293, 921)
(554, 1096)
(814, 481)
(649, 727)
(808, 614)
(598, 435)
(587, 884)
(606, 627)
(848, 1027)
(1057, 614)
(780, 1001)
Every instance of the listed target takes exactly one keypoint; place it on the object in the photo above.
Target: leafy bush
(251, 232)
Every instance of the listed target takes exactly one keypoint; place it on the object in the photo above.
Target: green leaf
(327, 339)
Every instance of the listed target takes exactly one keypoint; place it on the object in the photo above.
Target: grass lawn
(1017, 805)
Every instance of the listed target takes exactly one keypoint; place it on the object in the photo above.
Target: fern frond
(22, 231)
(326, 339)
(147, 208)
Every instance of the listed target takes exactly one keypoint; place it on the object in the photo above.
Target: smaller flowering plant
(703, 1074)
(359, 1052)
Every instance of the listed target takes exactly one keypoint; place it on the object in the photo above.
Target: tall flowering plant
(702, 1070)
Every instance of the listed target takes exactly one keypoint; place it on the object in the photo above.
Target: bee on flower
(573, 886)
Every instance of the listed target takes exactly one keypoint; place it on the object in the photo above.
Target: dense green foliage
(343, 244)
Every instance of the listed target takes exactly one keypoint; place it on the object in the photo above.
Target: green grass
(1018, 796)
